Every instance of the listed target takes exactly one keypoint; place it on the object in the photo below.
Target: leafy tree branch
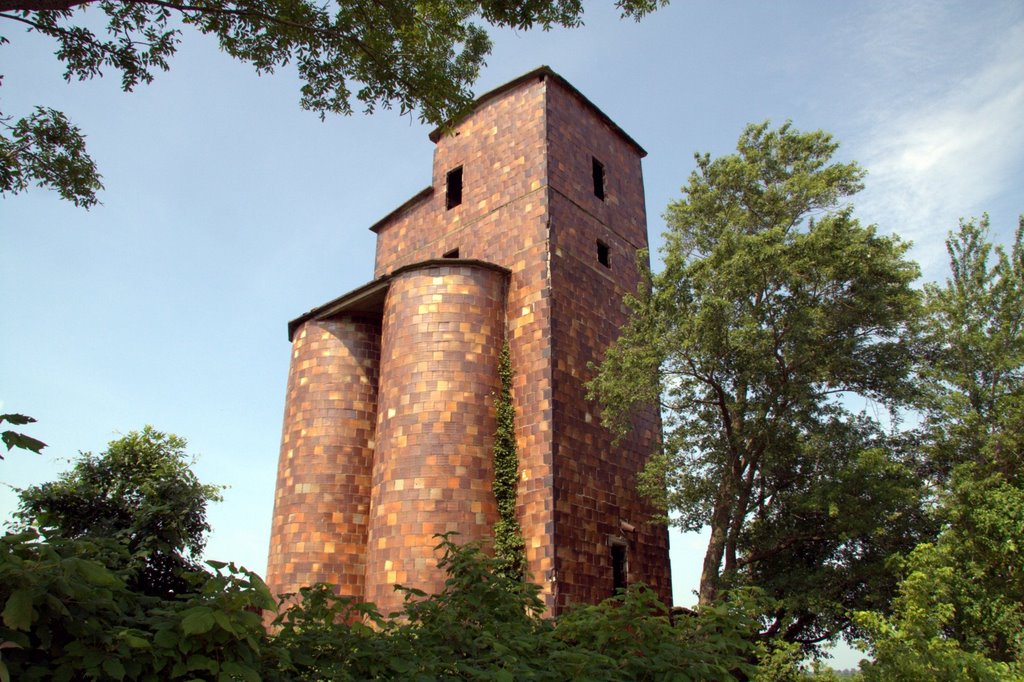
(422, 57)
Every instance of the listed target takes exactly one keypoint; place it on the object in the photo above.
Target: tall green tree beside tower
(775, 310)
(973, 373)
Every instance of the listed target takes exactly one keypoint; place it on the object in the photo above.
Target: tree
(775, 304)
(973, 373)
(141, 494)
(417, 56)
(960, 611)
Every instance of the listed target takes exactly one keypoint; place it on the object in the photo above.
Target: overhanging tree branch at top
(422, 57)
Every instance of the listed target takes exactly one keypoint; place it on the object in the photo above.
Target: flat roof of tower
(542, 72)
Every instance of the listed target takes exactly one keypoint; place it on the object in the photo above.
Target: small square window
(604, 254)
(454, 253)
(598, 179)
(453, 192)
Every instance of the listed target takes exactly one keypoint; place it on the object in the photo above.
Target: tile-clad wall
(594, 481)
(576, 136)
(322, 500)
(503, 220)
(501, 150)
(528, 206)
(433, 469)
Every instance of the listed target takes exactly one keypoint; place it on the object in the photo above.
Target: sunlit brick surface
(322, 503)
(503, 220)
(595, 481)
(443, 329)
(528, 206)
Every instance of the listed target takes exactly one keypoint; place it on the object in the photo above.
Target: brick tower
(528, 232)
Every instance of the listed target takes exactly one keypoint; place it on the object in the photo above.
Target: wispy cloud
(938, 153)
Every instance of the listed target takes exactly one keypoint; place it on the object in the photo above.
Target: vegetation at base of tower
(71, 609)
(509, 547)
(139, 494)
(776, 309)
(422, 57)
(68, 613)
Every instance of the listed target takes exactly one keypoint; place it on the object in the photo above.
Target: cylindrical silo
(322, 500)
(443, 329)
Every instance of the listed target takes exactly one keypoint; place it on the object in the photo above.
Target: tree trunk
(720, 520)
(745, 483)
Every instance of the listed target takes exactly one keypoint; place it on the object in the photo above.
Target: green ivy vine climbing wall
(509, 547)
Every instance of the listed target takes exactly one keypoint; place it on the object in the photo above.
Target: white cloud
(935, 155)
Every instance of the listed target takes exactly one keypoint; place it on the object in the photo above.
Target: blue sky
(229, 211)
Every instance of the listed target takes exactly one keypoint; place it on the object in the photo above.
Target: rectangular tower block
(528, 232)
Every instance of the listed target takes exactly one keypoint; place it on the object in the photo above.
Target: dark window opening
(604, 254)
(619, 568)
(453, 195)
(598, 179)
(454, 253)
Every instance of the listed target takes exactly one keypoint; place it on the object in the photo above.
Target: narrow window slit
(598, 179)
(454, 253)
(604, 254)
(620, 570)
(453, 193)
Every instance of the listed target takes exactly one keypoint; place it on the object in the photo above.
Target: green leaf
(113, 667)
(96, 573)
(17, 419)
(232, 671)
(18, 613)
(136, 642)
(63, 673)
(200, 662)
(13, 440)
(264, 598)
(166, 638)
(224, 622)
(399, 665)
(5, 675)
(199, 620)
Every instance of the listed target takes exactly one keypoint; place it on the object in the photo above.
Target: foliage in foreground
(68, 615)
(960, 610)
(139, 493)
